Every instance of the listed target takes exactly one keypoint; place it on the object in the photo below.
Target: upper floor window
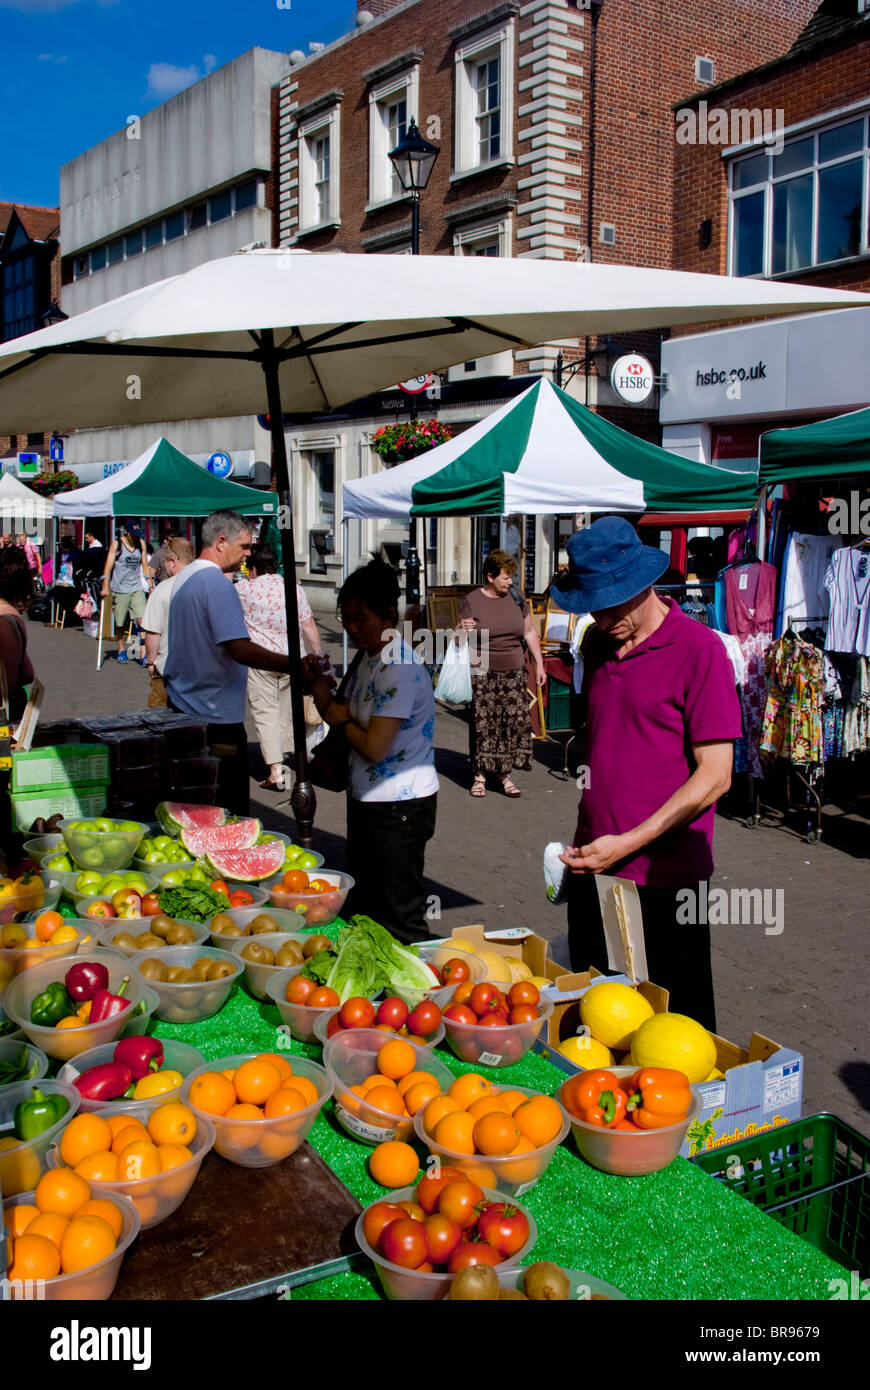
(391, 105)
(806, 205)
(318, 169)
(484, 99)
(488, 83)
(19, 292)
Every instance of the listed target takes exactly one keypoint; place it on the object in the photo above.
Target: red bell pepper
(141, 1055)
(596, 1098)
(106, 1082)
(84, 979)
(107, 1005)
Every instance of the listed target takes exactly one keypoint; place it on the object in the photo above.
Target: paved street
(804, 987)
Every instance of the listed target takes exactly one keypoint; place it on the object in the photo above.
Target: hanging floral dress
(792, 724)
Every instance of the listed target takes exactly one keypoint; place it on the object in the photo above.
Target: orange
(139, 1160)
(20, 1217)
(280, 1144)
(86, 1240)
(229, 1073)
(437, 1109)
(119, 1122)
(539, 1120)
(256, 1080)
(376, 1080)
(495, 1135)
(34, 1257)
(50, 1224)
(420, 1095)
(481, 1173)
(305, 1087)
(46, 925)
(285, 1101)
(100, 1206)
(386, 1098)
(394, 1164)
(128, 1134)
(413, 1077)
(455, 1132)
(61, 1190)
(284, 1067)
(212, 1092)
(396, 1059)
(512, 1099)
(488, 1105)
(172, 1156)
(147, 1207)
(84, 1135)
(244, 1111)
(99, 1167)
(525, 1171)
(468, 1088)
(172, 1123)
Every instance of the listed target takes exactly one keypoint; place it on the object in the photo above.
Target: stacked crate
(67, 777)
(154, 755)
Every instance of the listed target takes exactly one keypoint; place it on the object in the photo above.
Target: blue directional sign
(220, 464)
(55, 450)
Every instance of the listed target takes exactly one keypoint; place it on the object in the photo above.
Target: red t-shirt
(644, 712)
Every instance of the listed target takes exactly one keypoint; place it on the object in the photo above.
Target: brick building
(791, 204)
(555, 124)
(29, 283)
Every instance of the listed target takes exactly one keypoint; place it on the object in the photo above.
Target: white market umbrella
(20, 503)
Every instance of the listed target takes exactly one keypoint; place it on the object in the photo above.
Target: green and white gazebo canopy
(837, 448)
(543, 453)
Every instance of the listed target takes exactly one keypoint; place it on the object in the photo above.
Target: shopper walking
(126, 567)
(178, 555)
(262, 600)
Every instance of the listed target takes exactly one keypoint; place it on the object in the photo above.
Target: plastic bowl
(492, 1047)
(24, 903)
(17, 960)
(21, 1167)
(299, 1019)
(158, 1197)
(41, 846)
(177, 1056)
(137, 926)
(438, 956)
(65, 1043)
(75, 895)
(258, 892)
(285, 921)
(260, 1143)
(103, 850)
(140, 1022)
(257, 976)
(327, 1015)
(160, 866)
(190, 1003)
(14, 1033)
(583, 1286)
(95, 1284)
(318, 909)
(413, 1284)
(350, 1057)
(37, 1062)
(623, 1152)
(513, 1174)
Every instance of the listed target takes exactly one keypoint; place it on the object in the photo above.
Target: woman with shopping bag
(500, 731)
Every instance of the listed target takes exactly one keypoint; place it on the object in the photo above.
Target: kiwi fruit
(261, 924)
(127, 941)
(161, 923)
(154, 970)
(504, 1295)
(259, 955)
(148, 941)
(199, 969)
(476, 1283)
(232, 930)
(545, 1281)
(224, 925)
(218, 970)
(180, 975)
(180, 935)
(315, 944)
(289, 954)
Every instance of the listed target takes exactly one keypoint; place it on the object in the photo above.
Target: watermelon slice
(239, 834)
(248, 865)
(178, 815)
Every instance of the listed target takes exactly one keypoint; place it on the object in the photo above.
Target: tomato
(493, 1020)
(357, 1013)
(460, 1013)
(333, 901)
(414, 1210)
(463, 992)
(334, 1026)
(319, 912)
(323, 998)
(220, 885)
(319, 885)
(299, 990)
(442, 1238)
(377, 1217)
(430, 1187)
(504, 1227)
(473, 1252)
(523, 1013)
(434, 971)
(296, 881)
(523, 992)
(150, 904)
(455, 971)
(241, 898)
(425, 1019)
(483, 998)
(459, 1202)
(392, 1011)
(404, 1243)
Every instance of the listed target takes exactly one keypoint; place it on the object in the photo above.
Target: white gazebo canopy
(19, 502)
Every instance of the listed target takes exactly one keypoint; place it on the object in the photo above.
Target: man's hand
(596, 857)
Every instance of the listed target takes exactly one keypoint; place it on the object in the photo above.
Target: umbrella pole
(303, 799)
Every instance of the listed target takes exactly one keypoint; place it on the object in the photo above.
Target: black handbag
(329, 761)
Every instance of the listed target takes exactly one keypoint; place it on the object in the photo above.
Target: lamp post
(413, 160)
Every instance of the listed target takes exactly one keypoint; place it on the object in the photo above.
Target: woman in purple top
(661, 716)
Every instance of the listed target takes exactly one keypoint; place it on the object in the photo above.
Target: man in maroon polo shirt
(661, 713)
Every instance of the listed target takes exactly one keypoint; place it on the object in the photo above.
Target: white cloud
(165, 79)
(52, 57)
(209, 62)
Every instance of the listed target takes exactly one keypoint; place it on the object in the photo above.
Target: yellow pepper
(27, 891)
(19, 1167)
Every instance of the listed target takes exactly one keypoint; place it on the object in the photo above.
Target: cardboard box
(531, 949)
(59, 767)
(70, 802)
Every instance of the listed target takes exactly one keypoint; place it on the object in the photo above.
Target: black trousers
(386, 846)
(677, 954)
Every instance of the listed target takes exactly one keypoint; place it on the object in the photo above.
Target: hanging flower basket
(397, 443)
(48, 484)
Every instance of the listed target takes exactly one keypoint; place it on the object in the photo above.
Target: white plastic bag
(454, 683)
(556, 873)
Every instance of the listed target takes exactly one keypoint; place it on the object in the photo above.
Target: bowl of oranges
(23, 1161)
(381, 1082)
(261, 1104)
(48, 937)
(318, 896)
(501, 1137)
(153, 1159)
(68, 1240)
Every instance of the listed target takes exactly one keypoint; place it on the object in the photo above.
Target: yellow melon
(674, 1040)
(497, 968)
(612, 1012)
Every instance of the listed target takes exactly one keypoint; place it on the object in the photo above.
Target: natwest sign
(632, 378)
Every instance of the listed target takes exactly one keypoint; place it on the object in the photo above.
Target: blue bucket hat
(609, 564)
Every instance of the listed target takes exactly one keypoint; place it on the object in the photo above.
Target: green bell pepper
(53, 1004)
(33, 1117)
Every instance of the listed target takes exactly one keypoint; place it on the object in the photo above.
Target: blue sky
(76, 69)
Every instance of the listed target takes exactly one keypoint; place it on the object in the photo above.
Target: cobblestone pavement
(804, 987)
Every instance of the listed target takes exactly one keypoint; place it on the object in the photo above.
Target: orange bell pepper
(596, 1097)
(657, 1097)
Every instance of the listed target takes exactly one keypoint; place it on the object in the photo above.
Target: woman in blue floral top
(388, 719)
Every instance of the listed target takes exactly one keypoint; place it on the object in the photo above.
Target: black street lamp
(413, 160)
(53, 314)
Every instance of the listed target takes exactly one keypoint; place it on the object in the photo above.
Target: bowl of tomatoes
(300, 1001)
(503, 1138)
(487, 1027)
(318, 897)
(422, 1024)
(623, 1148)
(354, 1063)
(463, 1224)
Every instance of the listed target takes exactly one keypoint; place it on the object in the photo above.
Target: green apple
(89, 883)
(194, 875)
(163, 842)
(307, 860)
(90, 858)
(132, 879)
(112, 883)
(129, 827)
(176, 878)
(103, 825)
(292, 853)
(61, 863)
(154, 856)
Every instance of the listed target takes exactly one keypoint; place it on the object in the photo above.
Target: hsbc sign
(632, 378)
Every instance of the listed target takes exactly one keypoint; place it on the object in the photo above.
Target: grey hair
(228, 524)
